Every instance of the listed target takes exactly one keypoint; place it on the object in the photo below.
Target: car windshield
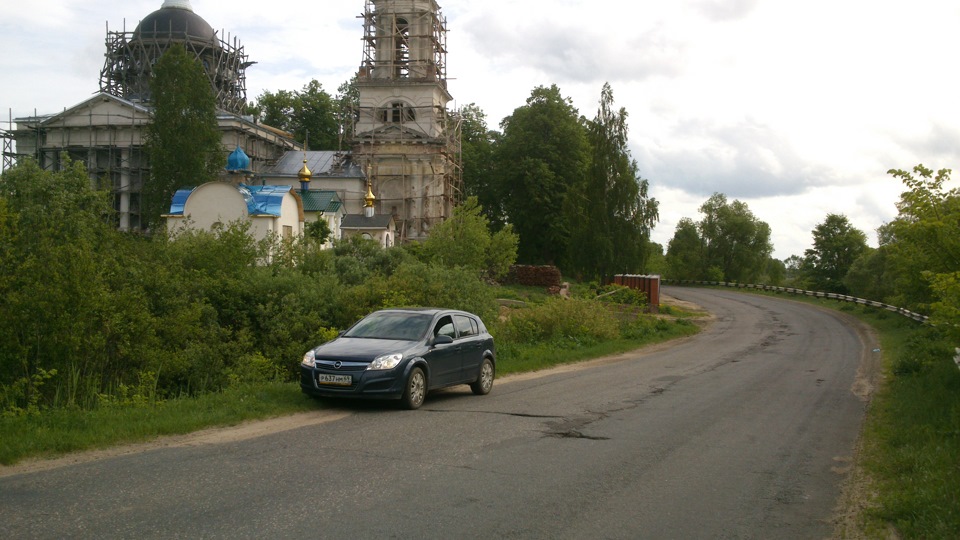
(399, 326)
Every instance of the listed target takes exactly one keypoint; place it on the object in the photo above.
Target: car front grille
(345, 367)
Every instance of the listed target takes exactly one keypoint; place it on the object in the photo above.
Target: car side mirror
(442, 340)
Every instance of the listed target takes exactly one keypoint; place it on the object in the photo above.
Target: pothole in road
(574, 434)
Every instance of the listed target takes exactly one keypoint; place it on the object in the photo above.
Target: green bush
(557, 320)
(643, 328)
(618, 294)
(923, 350)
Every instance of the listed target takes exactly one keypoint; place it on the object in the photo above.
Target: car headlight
(309, 359)
(387, 361)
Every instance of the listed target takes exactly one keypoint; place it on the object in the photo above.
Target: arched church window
(397, 113)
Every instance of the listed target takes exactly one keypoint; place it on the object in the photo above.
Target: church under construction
(404, 145)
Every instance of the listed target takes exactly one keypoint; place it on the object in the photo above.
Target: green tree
(685, 252)
(478, 144)
(793, 265)
(315, 114)
(775, 272)
(543, 154)
(346, 105)
(728, 244)
(55, 238)
(183, 140)
(836, 246)
(734, 240)
(923, 243)
(310, 112)
(275, 109)
(656, 260)
(868, 276)
(612, 214)
(318, 231)
(465, 241)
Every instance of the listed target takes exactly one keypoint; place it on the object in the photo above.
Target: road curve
(744, 431)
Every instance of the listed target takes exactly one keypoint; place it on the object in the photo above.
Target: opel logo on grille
(338, 364)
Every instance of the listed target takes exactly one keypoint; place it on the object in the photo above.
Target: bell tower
(403, 133)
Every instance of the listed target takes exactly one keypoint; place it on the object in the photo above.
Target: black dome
(176, 23)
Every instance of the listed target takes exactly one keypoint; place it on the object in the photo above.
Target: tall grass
(912, 439)
(61, 431)
(564, 331)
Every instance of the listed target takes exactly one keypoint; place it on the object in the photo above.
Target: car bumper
(365, 384)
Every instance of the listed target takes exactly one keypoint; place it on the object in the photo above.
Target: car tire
(415, 390)
(484, 382)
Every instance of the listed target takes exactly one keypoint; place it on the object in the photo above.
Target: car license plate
(337, 380)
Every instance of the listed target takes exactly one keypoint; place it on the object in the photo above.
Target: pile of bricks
(535, 276)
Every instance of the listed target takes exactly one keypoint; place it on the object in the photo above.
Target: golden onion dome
(370, 197)
(305, 173)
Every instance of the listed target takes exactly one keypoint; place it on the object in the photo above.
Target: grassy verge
(535, 357)
(60, 431)
(911, 438)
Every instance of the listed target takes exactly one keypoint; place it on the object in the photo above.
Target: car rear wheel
(484, 382)
(415, 391)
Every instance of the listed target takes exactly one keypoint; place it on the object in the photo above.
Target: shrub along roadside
(67, 430)
(62, 431)
(912, 436)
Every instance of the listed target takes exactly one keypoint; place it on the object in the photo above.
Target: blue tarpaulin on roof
(261, 200)
(179, 201)
(265, 200)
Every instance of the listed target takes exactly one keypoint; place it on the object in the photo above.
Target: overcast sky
(797, 108)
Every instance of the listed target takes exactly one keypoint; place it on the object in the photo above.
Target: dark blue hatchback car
(402, 354)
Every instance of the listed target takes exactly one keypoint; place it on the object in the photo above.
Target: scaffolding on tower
(7, 139)
(411, 140)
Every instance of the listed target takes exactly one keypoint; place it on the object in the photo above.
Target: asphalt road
(744, 431)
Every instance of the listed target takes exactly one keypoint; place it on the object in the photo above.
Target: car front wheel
(484, 382)
(416, 390)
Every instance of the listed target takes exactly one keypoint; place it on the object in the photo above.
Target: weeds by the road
(912, 437)
(560, 349)
(61, 431)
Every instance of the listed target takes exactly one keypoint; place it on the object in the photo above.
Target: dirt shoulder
(857, 494)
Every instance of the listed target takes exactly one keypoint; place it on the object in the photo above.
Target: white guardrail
(817, 294)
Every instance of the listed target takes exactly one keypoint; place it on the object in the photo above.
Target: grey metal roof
(321, 164)
(360, 221)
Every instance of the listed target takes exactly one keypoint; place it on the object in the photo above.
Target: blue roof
(179, 201)
(238, 161)
(264, 200)
(261, 200)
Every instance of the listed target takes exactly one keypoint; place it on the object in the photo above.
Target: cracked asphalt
(736, 433)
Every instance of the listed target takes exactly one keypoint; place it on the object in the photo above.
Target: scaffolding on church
(414, 149)
(6, 138)
(389, 39)
(110, 147)
(130, 57)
